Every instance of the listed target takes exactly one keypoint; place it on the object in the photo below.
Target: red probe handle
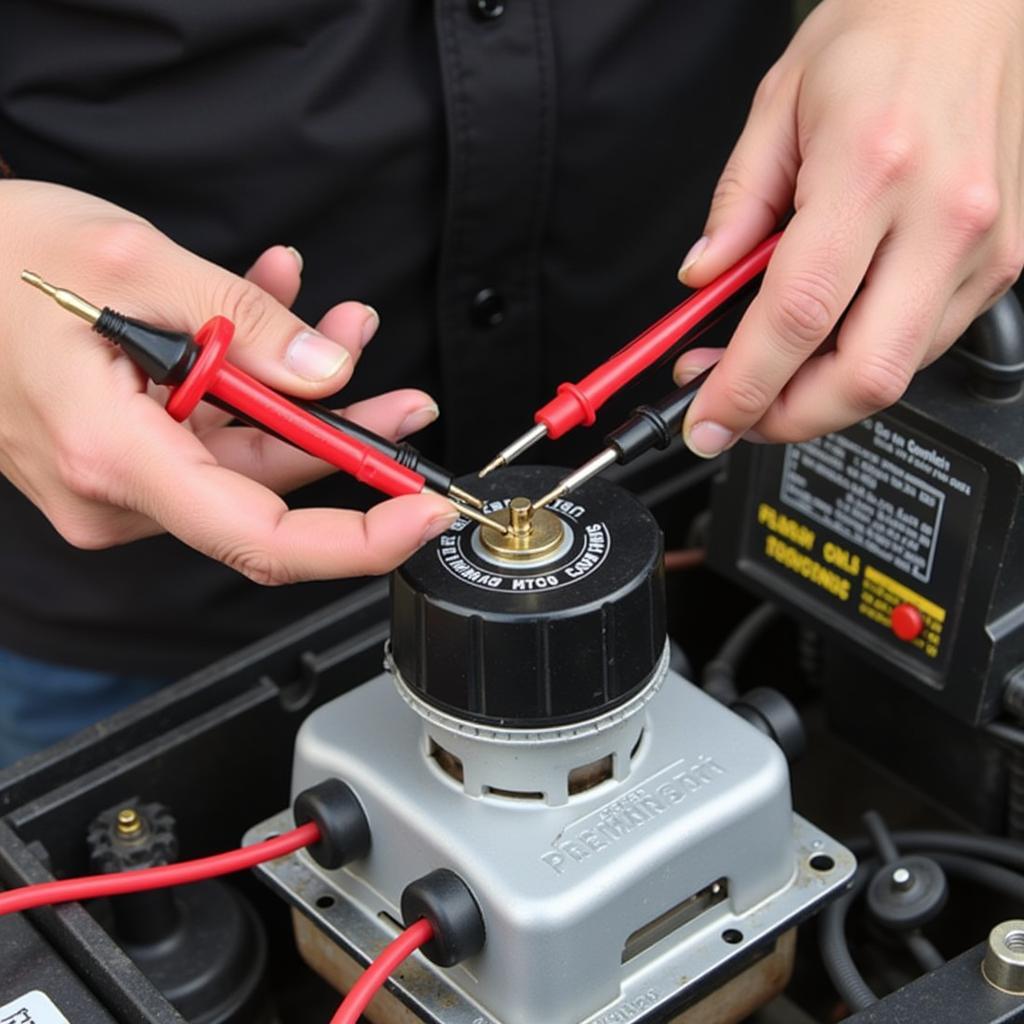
(576, 404)
(212, 375)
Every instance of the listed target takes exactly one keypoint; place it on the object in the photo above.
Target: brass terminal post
(530, 536)
(495, 525)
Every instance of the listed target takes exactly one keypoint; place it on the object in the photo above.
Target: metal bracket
(822, 872)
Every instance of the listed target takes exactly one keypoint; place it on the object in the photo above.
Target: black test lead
(649, 426)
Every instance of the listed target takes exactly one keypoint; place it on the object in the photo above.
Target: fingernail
(708, 439)
(418, 420)
(695, 253)
(298, 257)
(755, 438)
(685, 373)
(370, 324)
(438, 525)
(314, 357)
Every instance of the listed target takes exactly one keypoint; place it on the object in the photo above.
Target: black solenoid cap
(528, 645)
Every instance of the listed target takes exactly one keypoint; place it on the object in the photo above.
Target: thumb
(756, 186)
(273, 344)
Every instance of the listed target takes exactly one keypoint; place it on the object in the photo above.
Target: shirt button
(487, 308)
(487, 10)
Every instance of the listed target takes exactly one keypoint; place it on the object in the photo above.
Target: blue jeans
(41, 703)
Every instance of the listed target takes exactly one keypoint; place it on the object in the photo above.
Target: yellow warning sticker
(793, 545)
(880, 594)
(903, 593)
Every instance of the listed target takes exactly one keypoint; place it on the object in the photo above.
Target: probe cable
(195, 368)
(89, 887)
(576, 404)
(373, 979)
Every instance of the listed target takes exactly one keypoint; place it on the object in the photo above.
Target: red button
(907, 622)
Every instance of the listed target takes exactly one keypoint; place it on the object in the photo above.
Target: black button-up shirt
(511, 184)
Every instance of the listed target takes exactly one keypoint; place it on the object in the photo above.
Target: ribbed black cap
(533, 645)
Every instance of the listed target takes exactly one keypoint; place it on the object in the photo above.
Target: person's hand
(895, 130)
(83, 437)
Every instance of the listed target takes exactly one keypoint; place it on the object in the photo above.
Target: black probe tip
(164, 356)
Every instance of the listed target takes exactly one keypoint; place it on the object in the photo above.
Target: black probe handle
(657, 425)
(405, 454)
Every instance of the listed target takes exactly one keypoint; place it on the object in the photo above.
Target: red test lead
(196, 368)
(576, 404)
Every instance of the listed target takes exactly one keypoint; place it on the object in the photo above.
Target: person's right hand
(84, 438)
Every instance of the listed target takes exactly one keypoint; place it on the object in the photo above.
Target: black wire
(964, 856)
(719, 676)
(880, 836)
(992, 876)
(835, 950)
(1008, 852)
(924, 951)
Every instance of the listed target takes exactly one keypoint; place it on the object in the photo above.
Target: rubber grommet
(445, 900)
(337, 812)
(907, 893)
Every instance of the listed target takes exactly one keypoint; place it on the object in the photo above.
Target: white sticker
(32, 1008)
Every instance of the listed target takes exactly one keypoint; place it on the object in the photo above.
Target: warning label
(867, 522)
(881, 490)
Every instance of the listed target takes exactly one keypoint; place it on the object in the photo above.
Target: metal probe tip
(516, 448)
(479, 517)
(69, 300)
(465, 497)
(598, 464)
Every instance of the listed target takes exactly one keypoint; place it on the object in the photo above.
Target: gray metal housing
(562, 887)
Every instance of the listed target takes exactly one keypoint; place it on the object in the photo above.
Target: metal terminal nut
(533, 533)
(1003, 966)
(129, 822)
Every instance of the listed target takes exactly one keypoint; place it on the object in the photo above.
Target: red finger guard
(213, 340)
(213, 375)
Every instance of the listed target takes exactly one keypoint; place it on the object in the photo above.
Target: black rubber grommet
(337, 812)
(907, 893)
(445, 901)
(772, 713)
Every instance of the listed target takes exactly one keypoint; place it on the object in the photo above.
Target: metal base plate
(666, 986)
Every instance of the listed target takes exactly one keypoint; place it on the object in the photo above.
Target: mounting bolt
(1003, 966)
(902, 879)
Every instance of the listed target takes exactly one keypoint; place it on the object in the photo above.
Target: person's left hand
(895, 129)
